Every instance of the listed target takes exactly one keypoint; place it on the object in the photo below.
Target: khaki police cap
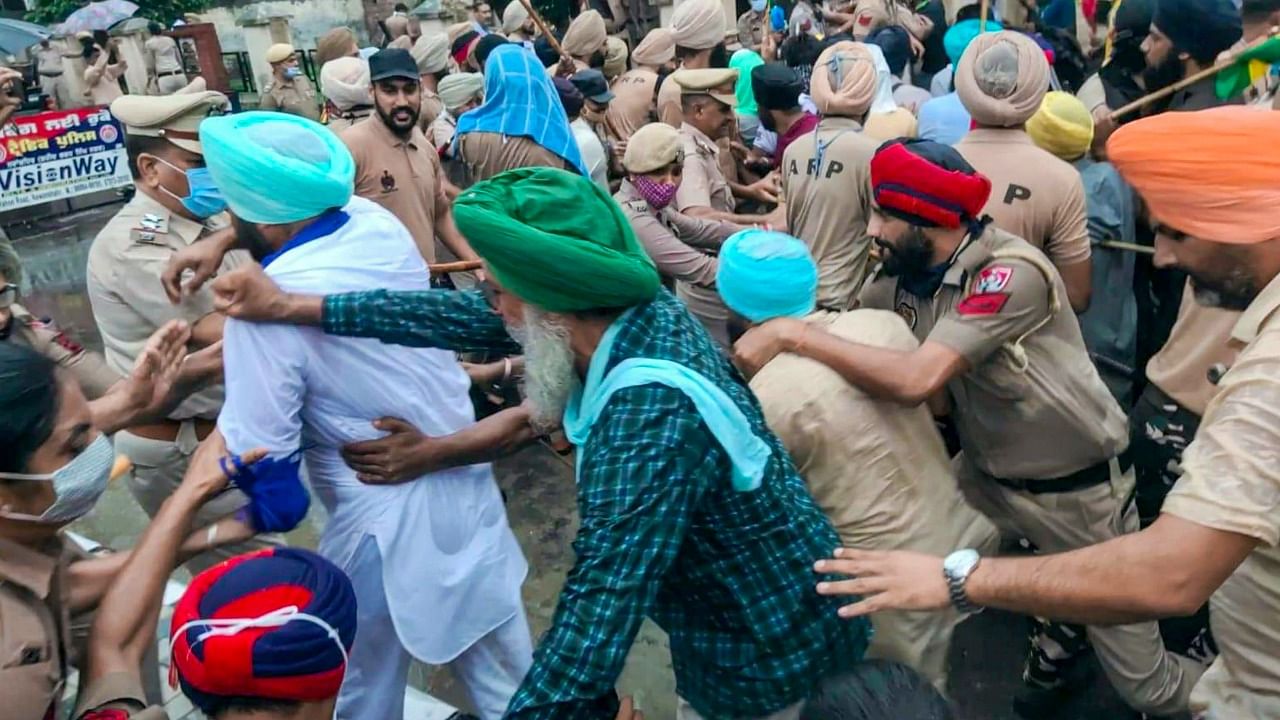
(279, 53)
(716, 82)
(175, 118)
(651, 148)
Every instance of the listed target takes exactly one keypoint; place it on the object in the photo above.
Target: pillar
(261, 32)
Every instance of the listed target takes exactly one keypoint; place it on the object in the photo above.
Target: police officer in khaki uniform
(289, 90)
(396, 166)
(826, 177)
(20, 326)
(1044, 442)
(431, 53)
(751, 26)
(1035, 196)
(164, 61)
(636, 89)
(175, 205)
(53, 81)
(697, 30)
(682, 246)
(707, 101)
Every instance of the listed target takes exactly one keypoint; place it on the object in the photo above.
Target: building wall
(307, 20)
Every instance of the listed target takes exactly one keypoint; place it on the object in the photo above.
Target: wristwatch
(956, 568)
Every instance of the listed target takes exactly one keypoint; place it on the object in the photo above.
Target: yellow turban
(1062, 125)
(657, 48)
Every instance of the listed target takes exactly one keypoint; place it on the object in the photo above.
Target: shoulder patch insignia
(152, 221)
(907, 313)
(992, 279)
(68, 344)
(982, 303)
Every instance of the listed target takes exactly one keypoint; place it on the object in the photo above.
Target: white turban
(514, 17)
(698, 24)
(345, 82)
(458, 88)
(431, 52)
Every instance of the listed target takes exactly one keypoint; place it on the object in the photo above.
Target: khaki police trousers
(170, 84)
(158, 468)
(1150, 679)
(685, 711)
(55, 86)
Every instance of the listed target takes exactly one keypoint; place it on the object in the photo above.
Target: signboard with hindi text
(61, 154)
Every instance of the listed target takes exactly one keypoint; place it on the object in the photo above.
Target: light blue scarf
(747, 452)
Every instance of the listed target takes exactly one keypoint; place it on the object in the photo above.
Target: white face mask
(77, 485)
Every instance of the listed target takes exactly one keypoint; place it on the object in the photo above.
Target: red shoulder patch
(105, 715)
(993, 278)
(67, 343)
(982, 304)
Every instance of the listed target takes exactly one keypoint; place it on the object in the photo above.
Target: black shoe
(1031, 702)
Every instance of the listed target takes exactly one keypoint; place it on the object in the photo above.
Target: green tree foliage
(52, 12)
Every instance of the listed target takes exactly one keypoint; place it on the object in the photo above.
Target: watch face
(960, 562)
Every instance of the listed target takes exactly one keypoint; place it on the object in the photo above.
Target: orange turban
(1204, 173)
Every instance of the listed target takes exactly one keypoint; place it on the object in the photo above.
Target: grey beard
(548, 366)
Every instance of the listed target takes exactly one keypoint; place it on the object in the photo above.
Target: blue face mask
(203, 197)
(292, 72)
(758, 5)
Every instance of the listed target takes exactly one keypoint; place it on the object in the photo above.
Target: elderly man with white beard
(692, 513)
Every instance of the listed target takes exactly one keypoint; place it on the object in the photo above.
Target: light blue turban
(961, 34)
(765, 274)
(274, 168)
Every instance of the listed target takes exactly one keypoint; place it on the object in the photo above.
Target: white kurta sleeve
(265, 369)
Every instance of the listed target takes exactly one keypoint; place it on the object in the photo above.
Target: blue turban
(765, 274)
(275, 168)
(961, 34)
(275, 624)
(520, 100)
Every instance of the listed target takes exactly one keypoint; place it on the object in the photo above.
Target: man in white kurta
(436, 568)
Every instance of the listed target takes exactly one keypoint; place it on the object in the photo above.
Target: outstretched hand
(156, 369)
(892, 580)
(401, 455)
(247, 293)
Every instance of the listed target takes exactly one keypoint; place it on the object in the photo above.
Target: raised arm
(447, 319)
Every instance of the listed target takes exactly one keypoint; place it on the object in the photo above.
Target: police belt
(170, 72)
(1096, 474)
(49, 73)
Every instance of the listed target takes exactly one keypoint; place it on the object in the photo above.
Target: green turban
(556, 240)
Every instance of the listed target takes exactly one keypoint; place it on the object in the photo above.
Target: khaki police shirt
(878, 470)
(442, 131)
(295, 97)
(633, 102)
(432, 107)
(751, 29)
(116, 693)
(35, 629)
(669, 109)
(402, 175)
(1231, 481)
(49, 62)
(1199, 340)
(682, 247)
(1034, 195)
(703, 183)
(828, 201)
(1037, 413)
(163, 51)
(486, 154)
(89, 368)
(123, 281)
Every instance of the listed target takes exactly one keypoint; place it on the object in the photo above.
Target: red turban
(927, 184)
(275, 624)
(1208, 174)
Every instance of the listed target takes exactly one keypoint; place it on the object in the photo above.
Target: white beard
(548, 366)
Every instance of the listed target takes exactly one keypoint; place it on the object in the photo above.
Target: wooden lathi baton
(545, 29)
(453, 267)
(1130, 247)
(1194, 78)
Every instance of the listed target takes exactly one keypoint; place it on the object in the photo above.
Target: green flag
(1247, 69)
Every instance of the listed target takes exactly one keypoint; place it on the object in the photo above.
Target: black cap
(392, 63)
(487, 45)
(593, 86)
(776, 86)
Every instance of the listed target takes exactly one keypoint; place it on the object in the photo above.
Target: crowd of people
(860, 318)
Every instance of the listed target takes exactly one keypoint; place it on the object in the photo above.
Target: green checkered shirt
(729, 575)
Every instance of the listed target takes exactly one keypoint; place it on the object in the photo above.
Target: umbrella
(16, 35)
(97, 15)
